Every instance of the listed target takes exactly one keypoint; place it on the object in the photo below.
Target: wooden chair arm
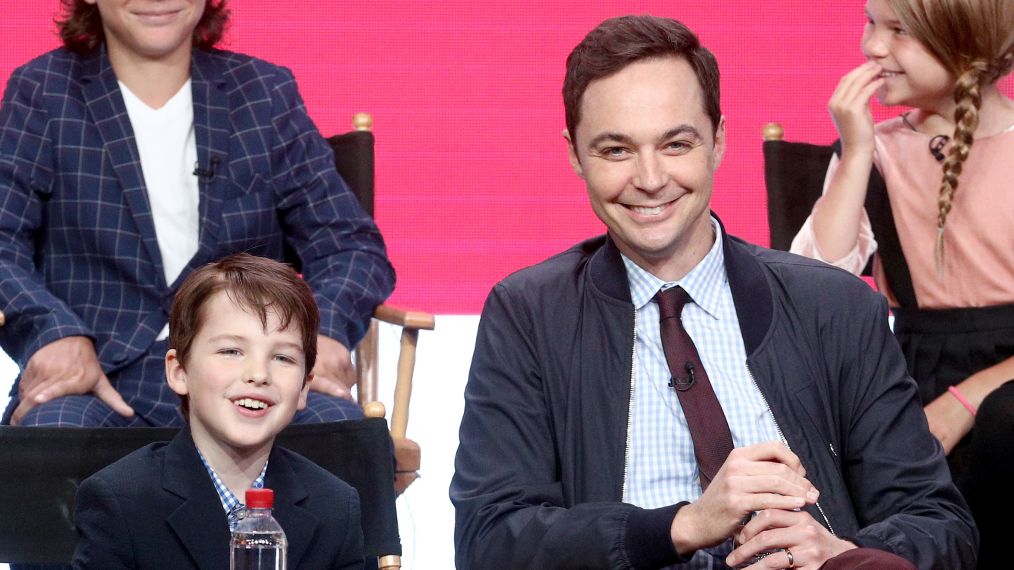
(407, 453)
(405, 319)
(411, 322)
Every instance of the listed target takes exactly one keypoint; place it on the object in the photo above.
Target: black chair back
(41, 469)
(794, 174)
(353, 157)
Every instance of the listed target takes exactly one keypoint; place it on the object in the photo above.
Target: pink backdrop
(472, 175)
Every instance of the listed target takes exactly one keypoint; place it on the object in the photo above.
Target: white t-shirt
(168, 150)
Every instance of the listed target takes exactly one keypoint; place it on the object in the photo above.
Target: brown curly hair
(81, 26)
(974, 40)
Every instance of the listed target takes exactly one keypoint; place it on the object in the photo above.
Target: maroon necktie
(708, 427)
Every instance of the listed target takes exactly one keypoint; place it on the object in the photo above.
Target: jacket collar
(299, 523)
(109, 114)
(211, 129)
(200, 521)
(751, 293)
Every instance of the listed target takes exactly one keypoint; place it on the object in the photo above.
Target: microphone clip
(207, 174)
(936, 146)
(682, 384)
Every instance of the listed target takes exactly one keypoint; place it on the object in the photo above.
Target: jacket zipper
(785, 442)
(630, 415)
(630, 409)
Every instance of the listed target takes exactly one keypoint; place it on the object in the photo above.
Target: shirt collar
(229, 500)
(702, 282)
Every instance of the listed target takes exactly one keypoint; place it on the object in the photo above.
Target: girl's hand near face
(837, 215)
(850, 109)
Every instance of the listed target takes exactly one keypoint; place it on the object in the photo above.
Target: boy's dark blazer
(157, 508)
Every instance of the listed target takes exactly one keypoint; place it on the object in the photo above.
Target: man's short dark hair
(81, 28)
(619, 42)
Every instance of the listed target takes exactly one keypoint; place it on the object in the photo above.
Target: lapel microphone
(206, 174)
(684, 384)
(936, 146)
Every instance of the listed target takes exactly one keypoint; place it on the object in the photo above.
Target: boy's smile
(244, 381)
(149, 30)
(252, 406)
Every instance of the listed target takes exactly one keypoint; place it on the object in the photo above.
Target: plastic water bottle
(258, 542)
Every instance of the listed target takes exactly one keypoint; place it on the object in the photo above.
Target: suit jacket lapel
(109, 114)
(299, 524)
(200, 522)
(211, 128)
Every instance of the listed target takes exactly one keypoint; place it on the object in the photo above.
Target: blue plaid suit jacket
(78, 251)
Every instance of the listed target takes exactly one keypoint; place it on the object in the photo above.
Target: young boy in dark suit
(243, 338)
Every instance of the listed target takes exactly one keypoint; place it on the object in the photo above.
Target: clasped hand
(780, 532)
(767, 479)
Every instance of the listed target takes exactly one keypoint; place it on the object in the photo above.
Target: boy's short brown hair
(257, 284)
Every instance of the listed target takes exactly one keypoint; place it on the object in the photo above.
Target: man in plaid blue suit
(83, 279)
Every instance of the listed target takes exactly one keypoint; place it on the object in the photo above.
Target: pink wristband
(961, 398)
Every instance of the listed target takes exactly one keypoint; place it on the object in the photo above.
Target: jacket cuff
(346, 329)
(51, 333)
(867, 542)
(648, 541)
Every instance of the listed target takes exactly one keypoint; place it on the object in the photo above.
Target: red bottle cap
(260, 498)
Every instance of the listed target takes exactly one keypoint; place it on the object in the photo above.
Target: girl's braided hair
(974, 40)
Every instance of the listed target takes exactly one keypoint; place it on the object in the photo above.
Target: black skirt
(944, 347)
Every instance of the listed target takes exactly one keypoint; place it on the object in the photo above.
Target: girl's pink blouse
(978, 267)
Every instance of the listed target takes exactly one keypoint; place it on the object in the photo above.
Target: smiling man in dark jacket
(580, 444)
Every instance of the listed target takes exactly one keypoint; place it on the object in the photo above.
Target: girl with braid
(931, 192)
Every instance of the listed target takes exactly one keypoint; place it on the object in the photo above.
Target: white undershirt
(168, 150)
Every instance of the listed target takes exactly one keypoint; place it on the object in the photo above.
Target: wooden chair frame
(407, 452)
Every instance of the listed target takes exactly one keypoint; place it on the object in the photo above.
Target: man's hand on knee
(753, 478)
(65, 367)
(333, 373)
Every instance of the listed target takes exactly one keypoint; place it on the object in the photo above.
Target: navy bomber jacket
(539, 472)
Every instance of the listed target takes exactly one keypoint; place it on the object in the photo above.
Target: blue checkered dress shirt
(234, 508)
(661, 466)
